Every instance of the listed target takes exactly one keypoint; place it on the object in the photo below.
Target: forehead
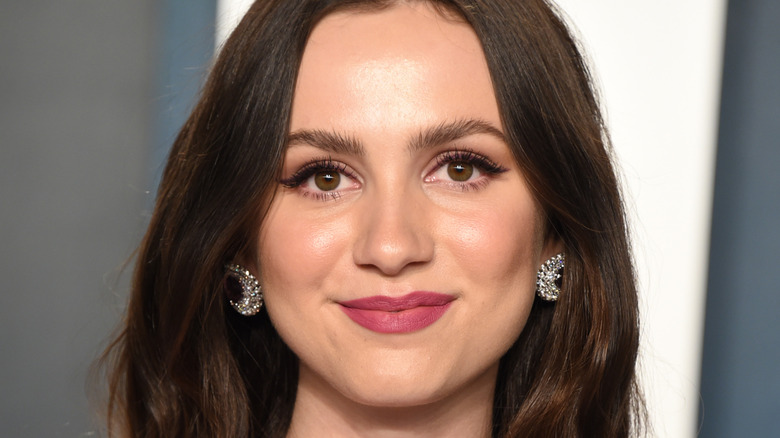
(408, 60)
(398, 29)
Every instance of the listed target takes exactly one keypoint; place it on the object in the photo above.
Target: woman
(349, 228)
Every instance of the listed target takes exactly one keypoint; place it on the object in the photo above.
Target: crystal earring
(243, 290)
(546, 279)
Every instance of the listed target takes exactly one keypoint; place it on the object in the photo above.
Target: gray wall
(91, 93)
(741, 358)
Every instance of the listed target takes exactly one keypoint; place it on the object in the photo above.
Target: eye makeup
(468, 156)
(476, 171)
(464, 170)
(315, 166)
(309, 177)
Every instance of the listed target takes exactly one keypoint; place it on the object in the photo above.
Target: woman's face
(399, 256)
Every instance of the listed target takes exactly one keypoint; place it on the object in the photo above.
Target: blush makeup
(409, 313)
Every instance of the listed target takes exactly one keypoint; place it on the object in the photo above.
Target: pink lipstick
(405, 314)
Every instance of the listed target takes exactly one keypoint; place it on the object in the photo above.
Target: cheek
(502, 243)
(497, 251)
(494, 252)
(296, 260)
(296, 255)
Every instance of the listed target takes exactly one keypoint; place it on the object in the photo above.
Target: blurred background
(93, 92)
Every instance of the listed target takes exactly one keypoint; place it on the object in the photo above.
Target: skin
(396, 223)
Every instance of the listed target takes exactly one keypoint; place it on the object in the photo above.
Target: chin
(395, 394)
(413, 385)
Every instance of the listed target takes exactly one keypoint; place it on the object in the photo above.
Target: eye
(464, 169)
(322, 179)
(326, 180)
(460, 170)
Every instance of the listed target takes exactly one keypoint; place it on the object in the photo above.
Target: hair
(186, 365)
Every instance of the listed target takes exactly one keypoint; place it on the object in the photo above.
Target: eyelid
(486, 168)
(316, 165)
(485, 164)
(313, 166)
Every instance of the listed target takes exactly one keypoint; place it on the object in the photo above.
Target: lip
(405, 314)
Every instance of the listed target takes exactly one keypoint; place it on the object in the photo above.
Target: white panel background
(658, 65)
(229, 13)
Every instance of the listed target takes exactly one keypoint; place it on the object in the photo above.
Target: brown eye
(460, 171)
(327, 180)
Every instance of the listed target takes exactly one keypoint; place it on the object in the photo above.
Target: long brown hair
(186, 365)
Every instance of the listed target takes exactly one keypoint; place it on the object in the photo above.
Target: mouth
(406, 314)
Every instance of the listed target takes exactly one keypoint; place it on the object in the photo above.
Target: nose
(394, 233)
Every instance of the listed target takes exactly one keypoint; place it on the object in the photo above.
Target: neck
(321, 411)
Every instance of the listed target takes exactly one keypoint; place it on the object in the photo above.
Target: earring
(243, 290)
(547, 277)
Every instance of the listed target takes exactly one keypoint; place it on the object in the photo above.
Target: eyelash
(485, 165)
(312, 167)
(470, 157)
(316, 165)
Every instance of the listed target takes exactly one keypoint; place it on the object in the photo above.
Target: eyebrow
(327, 141)
(449, 132)
(433, 136)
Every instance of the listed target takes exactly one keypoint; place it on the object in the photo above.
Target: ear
(553, 245)
(247, 262)
(246, 256)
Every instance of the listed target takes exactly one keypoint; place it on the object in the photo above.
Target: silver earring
(546, 278)
(243, 290)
